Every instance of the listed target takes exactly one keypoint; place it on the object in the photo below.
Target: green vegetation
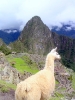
(58, 94)
(73, 81)
(17, 46)
(5, 50)
(56, 82)
(23, 63)
(65, 58)
(5, 87)
(55, 98)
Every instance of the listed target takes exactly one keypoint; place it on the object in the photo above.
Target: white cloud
(68, 28)
(9, 31)
(15, 13)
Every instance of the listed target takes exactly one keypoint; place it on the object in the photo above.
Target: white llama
(41, 85)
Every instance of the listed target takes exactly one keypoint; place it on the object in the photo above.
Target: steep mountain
(37, 38)
(9, 35)
(66, 30)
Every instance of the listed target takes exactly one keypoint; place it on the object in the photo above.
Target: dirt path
(7, 96)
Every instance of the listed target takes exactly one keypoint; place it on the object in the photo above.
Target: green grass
(73, 80)
(58, 96)
(55, 98)
(56, 82)
(5, 87)
(23, 64)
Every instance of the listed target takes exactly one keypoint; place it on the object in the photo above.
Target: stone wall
(10, 74)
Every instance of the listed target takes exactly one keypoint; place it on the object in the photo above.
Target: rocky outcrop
(9, 73)
(36, 36)
(6, 71)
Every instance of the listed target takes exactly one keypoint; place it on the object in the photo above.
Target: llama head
(55, 54)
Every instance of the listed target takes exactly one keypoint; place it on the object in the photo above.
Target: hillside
(29, 64)
(4, 48)
(37, 38)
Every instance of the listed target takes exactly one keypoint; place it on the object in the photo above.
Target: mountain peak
(36, 18)
(35, 35)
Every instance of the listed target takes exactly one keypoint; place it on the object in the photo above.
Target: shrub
(5, 50)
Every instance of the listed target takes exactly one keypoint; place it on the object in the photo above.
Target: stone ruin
(64, 78)
(10, 74)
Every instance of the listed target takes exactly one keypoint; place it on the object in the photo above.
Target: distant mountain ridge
(66, 30)
(9, 35)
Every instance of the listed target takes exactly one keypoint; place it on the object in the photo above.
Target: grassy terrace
(5, 87)
(23, 63)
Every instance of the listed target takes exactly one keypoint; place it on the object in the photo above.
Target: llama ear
(54, 50)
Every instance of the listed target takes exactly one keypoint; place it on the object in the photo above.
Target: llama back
(26, 91)
(22, 90)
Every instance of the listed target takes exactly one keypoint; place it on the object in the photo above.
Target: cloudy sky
(16, 13)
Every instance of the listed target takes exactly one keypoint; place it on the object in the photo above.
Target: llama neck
(49, 64)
